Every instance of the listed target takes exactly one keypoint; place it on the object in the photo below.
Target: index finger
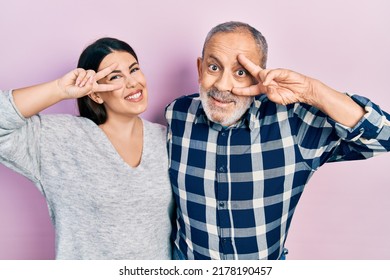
(106, 87)
(105, 71)
(252, 90)
(252, 68)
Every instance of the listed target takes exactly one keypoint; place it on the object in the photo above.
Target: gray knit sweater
(101, 208)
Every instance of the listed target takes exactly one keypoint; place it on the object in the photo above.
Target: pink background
(343, 213)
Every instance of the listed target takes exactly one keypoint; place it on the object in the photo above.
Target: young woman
(103, 174)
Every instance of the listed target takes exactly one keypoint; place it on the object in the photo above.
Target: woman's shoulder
(155, 133)
(64, 118)
(65, 122)
(154, 127)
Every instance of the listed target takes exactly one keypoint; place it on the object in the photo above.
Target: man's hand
(282, 86)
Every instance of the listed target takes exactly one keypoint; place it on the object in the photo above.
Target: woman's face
(131, 98)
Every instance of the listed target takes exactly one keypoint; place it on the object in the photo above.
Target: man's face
(219, 71)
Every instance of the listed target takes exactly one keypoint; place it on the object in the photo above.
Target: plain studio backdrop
(343, 213)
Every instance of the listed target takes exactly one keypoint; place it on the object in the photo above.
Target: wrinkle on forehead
(230, 45)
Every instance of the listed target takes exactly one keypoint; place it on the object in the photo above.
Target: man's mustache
(223, 96)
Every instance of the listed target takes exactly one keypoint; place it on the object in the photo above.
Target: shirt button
(221, 204)
(223, 133)
(222, 169)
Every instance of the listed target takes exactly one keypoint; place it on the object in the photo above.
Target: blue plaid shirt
(237, 188)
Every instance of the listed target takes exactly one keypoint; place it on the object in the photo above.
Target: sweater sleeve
(19, 139)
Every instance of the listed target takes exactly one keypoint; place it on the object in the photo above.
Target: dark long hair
(90, 59)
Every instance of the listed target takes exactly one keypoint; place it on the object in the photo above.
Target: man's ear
(199, 64)
(96, 97)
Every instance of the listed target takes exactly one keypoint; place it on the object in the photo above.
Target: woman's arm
(77, 83)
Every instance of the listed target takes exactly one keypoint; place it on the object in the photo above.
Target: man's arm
(284, 87)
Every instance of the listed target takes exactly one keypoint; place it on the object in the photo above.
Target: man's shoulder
(182, 107)
(184, 103)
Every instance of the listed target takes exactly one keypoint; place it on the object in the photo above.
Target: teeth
(134, 96)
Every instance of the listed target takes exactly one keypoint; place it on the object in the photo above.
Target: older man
(238, 163)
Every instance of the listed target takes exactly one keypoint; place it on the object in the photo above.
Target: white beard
(217, 114)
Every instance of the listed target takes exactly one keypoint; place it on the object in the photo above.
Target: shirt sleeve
(19, 139)
(321, 139)
(369, 137)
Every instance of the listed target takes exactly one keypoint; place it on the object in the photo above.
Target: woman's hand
(75, 84)
(79, 82)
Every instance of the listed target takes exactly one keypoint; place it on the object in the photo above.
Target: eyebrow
(219, 62)
(119, 71)
(213, 57)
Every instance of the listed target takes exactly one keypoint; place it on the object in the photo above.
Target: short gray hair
(234, 26)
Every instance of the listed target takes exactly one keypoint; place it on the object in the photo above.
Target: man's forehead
(228, 45)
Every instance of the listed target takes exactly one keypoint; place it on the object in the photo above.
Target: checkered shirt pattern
(237, 188)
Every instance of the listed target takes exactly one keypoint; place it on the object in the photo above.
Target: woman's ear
(96, 97)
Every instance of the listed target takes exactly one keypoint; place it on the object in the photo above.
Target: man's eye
(241, 73)
(213, 67)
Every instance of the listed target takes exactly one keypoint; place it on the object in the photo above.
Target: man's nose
(224, 82)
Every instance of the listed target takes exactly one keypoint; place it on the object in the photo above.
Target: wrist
(317, 93)
(59, 91)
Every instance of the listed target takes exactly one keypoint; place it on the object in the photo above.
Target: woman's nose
(130, 81)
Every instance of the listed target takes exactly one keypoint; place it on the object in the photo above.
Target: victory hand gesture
(80, 82)
(282, 86)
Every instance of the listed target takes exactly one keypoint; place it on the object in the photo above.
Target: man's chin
(219, 115)
(224, 121)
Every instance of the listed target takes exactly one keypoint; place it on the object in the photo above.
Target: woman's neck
(127, 138)
(120, 127)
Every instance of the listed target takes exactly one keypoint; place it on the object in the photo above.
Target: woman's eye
(213, 67)
(241, 73)
(135, 69)
(116, 77)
